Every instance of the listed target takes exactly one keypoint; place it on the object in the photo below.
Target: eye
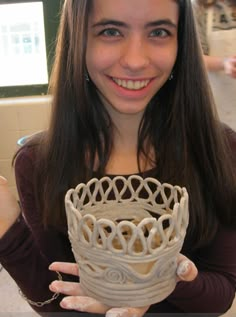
(110, 32)
(160, 33)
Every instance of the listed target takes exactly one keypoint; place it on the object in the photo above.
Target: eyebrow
(105, 22)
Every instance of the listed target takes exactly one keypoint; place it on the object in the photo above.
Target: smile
(131, 84)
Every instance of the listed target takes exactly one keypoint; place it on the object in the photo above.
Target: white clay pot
(126, 234)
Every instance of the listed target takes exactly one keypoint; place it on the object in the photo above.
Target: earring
(86, 76)
(171, 76)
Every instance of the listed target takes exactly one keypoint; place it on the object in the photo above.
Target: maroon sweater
(27, 249)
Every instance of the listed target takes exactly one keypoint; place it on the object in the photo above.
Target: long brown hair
(179, 123)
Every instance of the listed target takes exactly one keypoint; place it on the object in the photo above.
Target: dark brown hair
(179, 122)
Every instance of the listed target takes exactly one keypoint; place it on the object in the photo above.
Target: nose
(134, 55)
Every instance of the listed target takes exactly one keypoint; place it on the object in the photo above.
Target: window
(27, 37)
(23, 59)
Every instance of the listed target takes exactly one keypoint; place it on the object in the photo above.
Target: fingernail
(52, 288)
(183, 268)
(64, 304)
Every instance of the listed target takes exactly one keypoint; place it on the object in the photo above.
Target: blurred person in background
(216, 23)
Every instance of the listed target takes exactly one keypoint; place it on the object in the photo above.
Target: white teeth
(131, 84)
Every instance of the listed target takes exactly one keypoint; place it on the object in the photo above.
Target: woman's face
(131, 50)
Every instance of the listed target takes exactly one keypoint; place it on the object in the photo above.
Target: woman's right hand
(9, 207)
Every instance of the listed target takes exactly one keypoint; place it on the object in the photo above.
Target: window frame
(51, 10)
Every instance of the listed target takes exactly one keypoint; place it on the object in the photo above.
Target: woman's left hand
(76, 298)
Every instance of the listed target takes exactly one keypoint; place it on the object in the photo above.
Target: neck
(123, 159)
(126, 128)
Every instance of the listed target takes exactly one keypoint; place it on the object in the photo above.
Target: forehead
(135, 11)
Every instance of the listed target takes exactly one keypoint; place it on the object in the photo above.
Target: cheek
(100, 58)
(166, 58)
(173, 56)
(166, 65)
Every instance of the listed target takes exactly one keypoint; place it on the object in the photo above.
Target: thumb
(186, 270)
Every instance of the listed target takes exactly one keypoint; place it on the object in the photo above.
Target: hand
(230, 66)
(9, 207)
(77, 299)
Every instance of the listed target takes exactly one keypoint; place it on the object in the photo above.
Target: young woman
(216, 22)
(130, 95)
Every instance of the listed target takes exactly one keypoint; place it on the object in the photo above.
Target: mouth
(131, 84)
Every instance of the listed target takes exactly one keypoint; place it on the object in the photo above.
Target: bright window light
(23, 59)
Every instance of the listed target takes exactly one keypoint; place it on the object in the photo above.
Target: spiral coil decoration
(126, 234)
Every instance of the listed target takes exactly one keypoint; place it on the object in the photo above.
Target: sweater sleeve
(20, 254)
(213, 290)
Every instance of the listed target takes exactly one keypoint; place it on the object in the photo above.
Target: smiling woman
(122, 59)
(130, 99)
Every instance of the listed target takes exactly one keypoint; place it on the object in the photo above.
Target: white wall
(19, 117)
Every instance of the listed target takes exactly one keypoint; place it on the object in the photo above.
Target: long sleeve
(26, 250)
(214, 289)
(22, 259)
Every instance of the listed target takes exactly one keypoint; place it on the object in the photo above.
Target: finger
(67, 288)
(127, 312)
(84, 304)
(64, 267)
(186, 270)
